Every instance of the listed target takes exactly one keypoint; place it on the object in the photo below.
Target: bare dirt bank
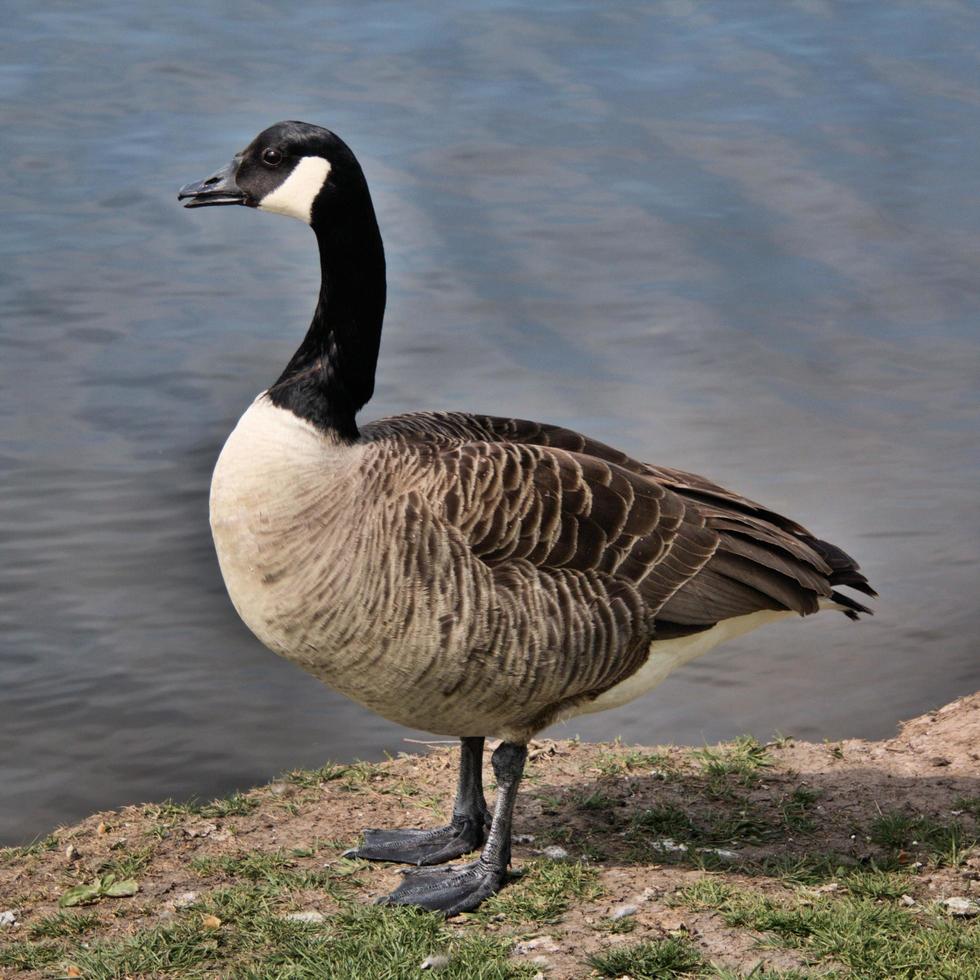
(788, 859)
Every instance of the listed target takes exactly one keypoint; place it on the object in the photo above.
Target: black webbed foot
(421, 846)
(450, 890)
(463, 887)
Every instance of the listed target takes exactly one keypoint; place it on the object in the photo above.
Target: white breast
(278, 483)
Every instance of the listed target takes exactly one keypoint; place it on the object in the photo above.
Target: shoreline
(623, 855)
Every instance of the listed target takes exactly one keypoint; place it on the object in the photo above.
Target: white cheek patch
(296, 194)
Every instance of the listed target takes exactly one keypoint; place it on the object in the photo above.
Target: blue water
(734, 237)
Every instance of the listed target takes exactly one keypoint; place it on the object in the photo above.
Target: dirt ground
(649, 821)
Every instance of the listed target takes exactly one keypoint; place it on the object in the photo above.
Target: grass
(39, 846)
(738, 762)
(623, 762)
(943, 843)
(543, 893)
(738, 823)
(29, 956)
(968, 804)
(874, 939)
(129, 864)
(280, 872)
(652, 960)
(797, 809)
(171, 812)
(254, 941)
(596, 801)
(60, 925)
(351, 775)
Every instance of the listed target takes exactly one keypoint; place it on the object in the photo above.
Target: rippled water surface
(739, 238)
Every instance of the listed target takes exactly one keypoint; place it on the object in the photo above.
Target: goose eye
(271, 156)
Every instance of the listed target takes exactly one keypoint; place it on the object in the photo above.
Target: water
(735, 238)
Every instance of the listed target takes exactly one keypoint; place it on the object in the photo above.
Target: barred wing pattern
(570, 560)
(697, 552)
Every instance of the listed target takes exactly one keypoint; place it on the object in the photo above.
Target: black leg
(465, 833)
(459, 889)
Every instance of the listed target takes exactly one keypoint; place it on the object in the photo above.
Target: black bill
(219, 188)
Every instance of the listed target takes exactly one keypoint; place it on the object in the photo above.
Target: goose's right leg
(466, 831)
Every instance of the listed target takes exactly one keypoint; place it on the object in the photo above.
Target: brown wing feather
(760, 559)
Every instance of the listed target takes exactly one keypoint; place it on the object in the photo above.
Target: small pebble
(556, 853)
(278, 789)
(184, 899)
(436, 962)
(624, 912)
(961, 906)
(8, 918)
(831, 886)
(201, 830)
(544, 943)
(669, 845)
(523, 838)
(310, 915)
(907, 900)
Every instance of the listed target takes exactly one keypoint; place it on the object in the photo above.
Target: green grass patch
(30, 956)
(721, 973)
(279, 871)
(796, 809)
(665, 821)
(968, 804)
(351, 775)
(876, 883)
(236, 805)
(738, 762)
(738, 823)
(39, 846)
(129, 864)
(652, 960)
(171, 812)
(623, 762)
(254, 941)
(874, 939)
(596, 801)
(543, 893)
(63, 925)
(943, 843)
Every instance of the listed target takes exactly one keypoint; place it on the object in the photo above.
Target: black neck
(331, 375)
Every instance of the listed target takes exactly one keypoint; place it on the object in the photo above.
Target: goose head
(291, 168)
(309, 173)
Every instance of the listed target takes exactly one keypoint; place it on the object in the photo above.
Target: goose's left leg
(465, 832)
(461, 888)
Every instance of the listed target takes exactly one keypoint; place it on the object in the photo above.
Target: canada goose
(465, 574)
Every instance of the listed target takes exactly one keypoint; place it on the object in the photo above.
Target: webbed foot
(463, 887)
(450, 890)
(421, 846)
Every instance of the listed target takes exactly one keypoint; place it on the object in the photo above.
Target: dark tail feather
(852, 606)
(844, 569)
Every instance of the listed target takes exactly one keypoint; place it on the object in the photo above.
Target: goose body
(466, 574)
